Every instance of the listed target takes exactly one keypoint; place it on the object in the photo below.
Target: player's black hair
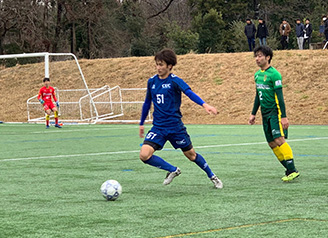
(307, 19)
(46, 79)
(266, 51)
(168, 56)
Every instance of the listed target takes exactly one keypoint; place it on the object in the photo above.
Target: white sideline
(136, 151)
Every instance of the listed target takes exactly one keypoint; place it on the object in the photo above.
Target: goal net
(78, 102)
(110, 105)
(81, 105)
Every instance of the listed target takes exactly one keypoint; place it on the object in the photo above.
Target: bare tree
(169, 10)
(8, 20)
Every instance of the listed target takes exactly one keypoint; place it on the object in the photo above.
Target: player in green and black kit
(275, 123)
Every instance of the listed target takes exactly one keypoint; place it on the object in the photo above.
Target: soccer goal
(119, 105)
(81, 106)
(78, 102)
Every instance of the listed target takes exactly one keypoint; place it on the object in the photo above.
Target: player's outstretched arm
(210, 109)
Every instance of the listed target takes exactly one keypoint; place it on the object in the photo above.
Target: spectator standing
(307, 33)
(250, 31)
(325, 23)
(299, 29)
(284, 30)
(262, 32)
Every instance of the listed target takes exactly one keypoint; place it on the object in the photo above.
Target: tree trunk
(89, 41)
(1, 48)
(73, 38)
(58, 26)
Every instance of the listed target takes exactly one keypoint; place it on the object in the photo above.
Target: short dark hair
(267, 51)
(307, 19)
(168, 56)
(46, 79)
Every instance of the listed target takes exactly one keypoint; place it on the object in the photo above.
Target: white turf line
(137, 151)
(93, 129)
(148, 125)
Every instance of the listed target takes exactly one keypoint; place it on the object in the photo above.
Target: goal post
(46, 57)
(78, 102)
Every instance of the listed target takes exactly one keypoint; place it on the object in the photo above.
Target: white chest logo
(167, 85)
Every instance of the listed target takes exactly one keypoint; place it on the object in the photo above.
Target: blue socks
(158, 162)
(201, 162)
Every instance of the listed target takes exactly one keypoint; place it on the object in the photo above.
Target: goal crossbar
(46, 56)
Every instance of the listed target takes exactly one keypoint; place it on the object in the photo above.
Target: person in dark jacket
(299, 30)
(262, 32)
(307, 33)
(325, 22)
(250, 31)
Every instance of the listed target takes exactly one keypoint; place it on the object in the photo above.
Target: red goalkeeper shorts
(48, 105)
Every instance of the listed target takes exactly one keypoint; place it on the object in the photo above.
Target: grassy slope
(223, 80)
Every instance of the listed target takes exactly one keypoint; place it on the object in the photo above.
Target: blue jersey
(166, 97)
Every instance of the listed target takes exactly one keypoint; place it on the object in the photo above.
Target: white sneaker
(171, 175)
(217, 182)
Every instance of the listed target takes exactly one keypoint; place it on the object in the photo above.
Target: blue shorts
(178, 138)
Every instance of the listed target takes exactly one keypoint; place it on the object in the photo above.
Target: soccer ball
(111, 190)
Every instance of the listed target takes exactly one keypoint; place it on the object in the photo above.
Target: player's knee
(272, 144)
(279, 141)
(145, 154)
(190, 154)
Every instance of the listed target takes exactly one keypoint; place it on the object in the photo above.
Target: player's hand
(284, 123)
(57, 104)
(251, 120)
(41, 101)
(141, 131)
(209, 109)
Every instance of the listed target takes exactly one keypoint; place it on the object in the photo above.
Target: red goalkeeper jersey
(46, 93)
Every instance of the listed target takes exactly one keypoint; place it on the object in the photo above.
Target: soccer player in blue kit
(164, 91)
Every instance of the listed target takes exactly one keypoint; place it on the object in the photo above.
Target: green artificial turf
(50, 184)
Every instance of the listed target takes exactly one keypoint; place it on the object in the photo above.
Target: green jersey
(267, 84)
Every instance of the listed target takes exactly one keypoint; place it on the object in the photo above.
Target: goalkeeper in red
(275, 123)
(45, 94)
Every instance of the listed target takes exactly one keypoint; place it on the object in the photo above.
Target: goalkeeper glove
(57, 104)
(41, 101)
